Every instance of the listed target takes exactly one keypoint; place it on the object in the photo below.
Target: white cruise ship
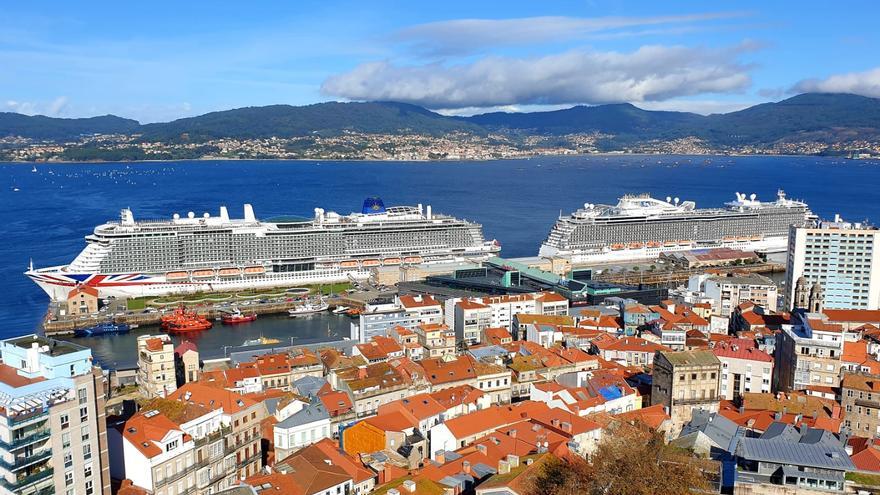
(642, 227)
(133, 258)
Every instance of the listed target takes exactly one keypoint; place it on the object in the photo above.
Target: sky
(160, 60)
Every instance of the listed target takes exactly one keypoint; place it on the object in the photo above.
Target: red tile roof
(867, 460)
(418, 301)
(740, 349)
(853, 315)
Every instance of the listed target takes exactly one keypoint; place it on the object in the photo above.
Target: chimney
(513, 461)
(466, 467)
(835, 412)
(362, 373)
(440, 456)
(503, 467)
(566, 426)
(409, 486)
(512, 433)
(481, 448)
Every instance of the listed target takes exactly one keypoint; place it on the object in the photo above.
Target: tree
(631, 462)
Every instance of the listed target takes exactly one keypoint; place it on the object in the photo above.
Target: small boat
(349, 264)
(181, 321)
(260, 341)
(308, 309)
(391, 261)
(412, 259)
(102, 329)
(236, 317)
(203, 273)
(353, 312)
(172, 276)
(34, 169)
(371, 263)
(338, 310)
(229, 272)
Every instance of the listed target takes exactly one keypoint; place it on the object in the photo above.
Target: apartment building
(437, 339)
(860, 398)
(808, 353)
(684, 381)
(53, 435)
(839, 258)
(156, 376)
(744, 368)
(424, 308)
(473, 315)
(727, 292)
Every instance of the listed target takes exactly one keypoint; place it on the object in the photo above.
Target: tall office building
(833, 265)
(53, 436)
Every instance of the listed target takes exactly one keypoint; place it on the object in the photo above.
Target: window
(65, 440)
(83, 395)
(87, 472)
(89, 489)
(84, 432)
(68, 460)
(65, 421)
(87, 451)
(68, 478)
(84, 414)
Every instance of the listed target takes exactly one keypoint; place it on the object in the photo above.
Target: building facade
(157, 374)
(684, 381)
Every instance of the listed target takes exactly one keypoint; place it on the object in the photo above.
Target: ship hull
(58, 283)
(608, 255)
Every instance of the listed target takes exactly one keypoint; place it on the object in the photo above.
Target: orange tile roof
(652, 416)
(340, 458)
(861, 382)
(867, 460)
(822, 326)
(853, 315)
(336, 402)
(467, 304)
(83, 289)
(420, 406)
(438, 371)
(212, 397)
(154, 344)
(418, 302)
(741, 349)
(484, 420)
(456, 396)
(632, 344)
(855, 352)
(143, 432)
(551, 297)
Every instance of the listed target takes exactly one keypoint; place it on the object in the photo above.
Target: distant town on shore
(807, 124)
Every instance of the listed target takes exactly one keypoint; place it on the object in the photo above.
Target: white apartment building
(156, 375)
(744, 368)
(842, 258)
(728, 292)
(469, 317)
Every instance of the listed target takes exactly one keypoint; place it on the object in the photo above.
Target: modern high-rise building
(833, 265)
(53, 436)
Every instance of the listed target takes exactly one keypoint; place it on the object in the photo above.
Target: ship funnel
(428, 212)
(249, 213)
(224, 214)
(676, 200)
(319, 215)
(126, 217)
(753, 196)
(669, 199)
(420, 208)
(191, 215)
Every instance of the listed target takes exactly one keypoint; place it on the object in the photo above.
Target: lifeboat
(617, 247)
(237, 317)
(254, 270)
(684, 243)
(229, 272)
(635, 245)
(755, 238)
(744, 238)
(175, 276)
(728, 238)
(653, 244)
(182, 321)
(349, 264)
(203, 273)
(371, 263)
(391, 261)
(412, 259)
(670, 243)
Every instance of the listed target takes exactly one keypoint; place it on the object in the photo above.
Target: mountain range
(823, 117)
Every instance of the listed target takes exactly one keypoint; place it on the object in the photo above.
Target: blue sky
(157, 61)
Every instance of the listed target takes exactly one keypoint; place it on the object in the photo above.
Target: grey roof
(272, 404)
(482, 470)
(817, 435)
(488, 351)
(819, 455)
(781, 431)
(309, 414)
(715, 426)
(309, 386)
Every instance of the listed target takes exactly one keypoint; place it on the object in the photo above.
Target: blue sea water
(45, 214)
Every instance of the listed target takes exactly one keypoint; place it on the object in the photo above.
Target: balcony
(25, 482)
(28, 418)
(250, 459)
(211, 437)
(25, 461)
(30, 438)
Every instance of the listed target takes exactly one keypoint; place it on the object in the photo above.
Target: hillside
(41, 127)
(825, 118)
(326, 118)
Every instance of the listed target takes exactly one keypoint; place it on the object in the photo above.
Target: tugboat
(182, 321)
(105, 328)
(236, 317)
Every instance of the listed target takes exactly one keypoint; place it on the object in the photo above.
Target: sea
(47, 209)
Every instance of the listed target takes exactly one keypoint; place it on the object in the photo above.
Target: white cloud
(54, 108)
(466, 35)
(865, 83)
(702, 107)
(651, 73)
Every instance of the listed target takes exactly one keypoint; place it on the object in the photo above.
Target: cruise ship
(642, 227)
(134, 258)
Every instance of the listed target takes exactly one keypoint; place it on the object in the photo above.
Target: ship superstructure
(211, 253)
(642, 227)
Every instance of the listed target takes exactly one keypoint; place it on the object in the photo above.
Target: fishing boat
(102, 329)
(236, 317)
(260, 341)
(338, 310)
(308, 309)
(181, 321)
